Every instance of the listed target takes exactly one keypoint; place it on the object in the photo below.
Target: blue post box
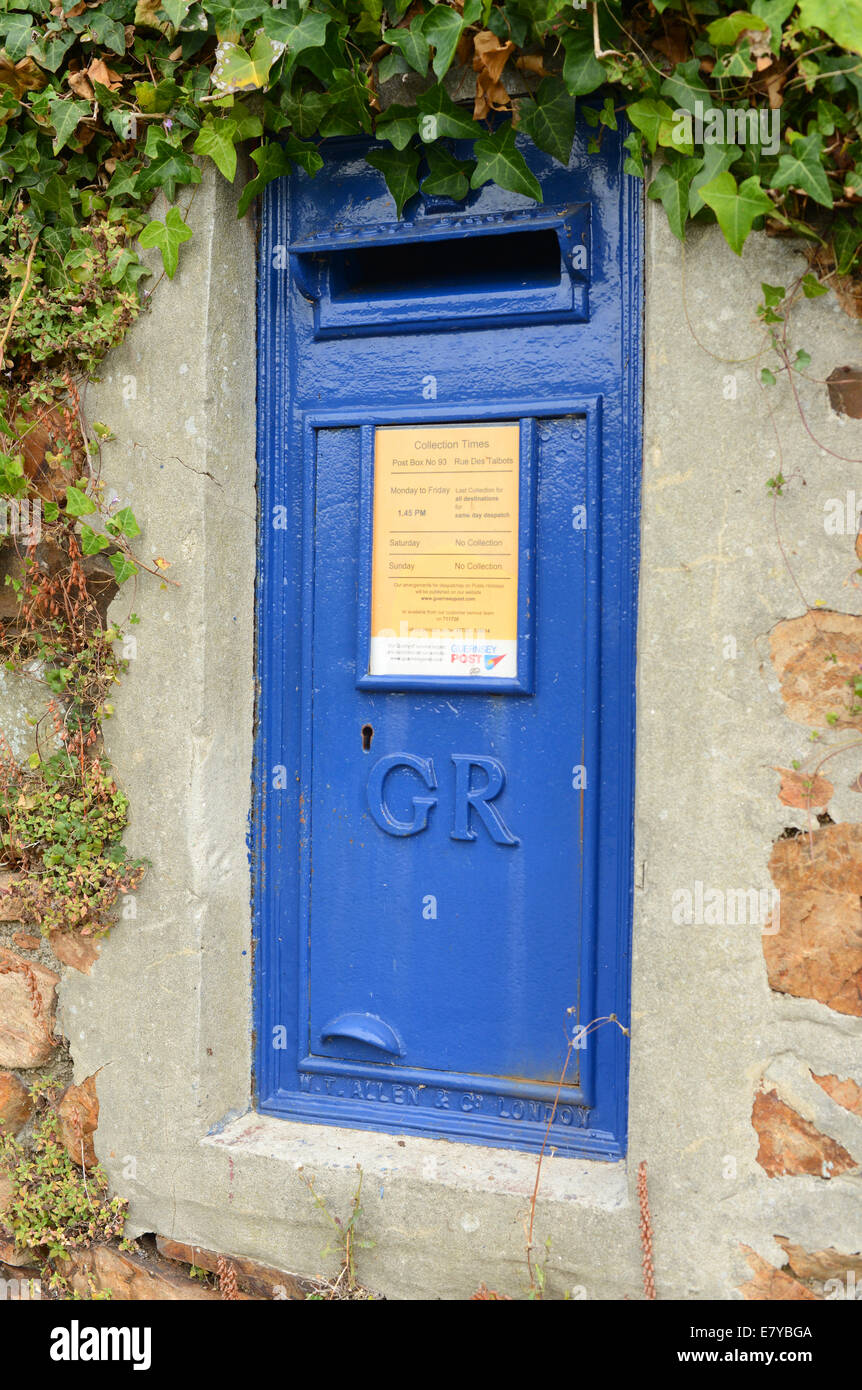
(450, 450)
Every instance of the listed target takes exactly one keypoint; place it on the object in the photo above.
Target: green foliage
(346, 1241)
(168, 236)
(61, 832)
(55, 1206)
(103, 109)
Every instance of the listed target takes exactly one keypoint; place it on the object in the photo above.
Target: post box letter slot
(448, 272)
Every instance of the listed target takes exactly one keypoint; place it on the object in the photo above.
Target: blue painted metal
(435, 890)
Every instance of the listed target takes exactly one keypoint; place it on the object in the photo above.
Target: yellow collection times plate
(444, 580)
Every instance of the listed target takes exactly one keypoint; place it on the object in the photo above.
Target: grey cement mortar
(166, 1010)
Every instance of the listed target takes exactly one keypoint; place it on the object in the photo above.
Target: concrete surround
(166, 1012)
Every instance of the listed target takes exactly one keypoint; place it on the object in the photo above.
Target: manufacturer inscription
(441, 1098)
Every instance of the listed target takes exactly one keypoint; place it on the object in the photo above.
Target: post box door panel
(445, 854)
(442, 837)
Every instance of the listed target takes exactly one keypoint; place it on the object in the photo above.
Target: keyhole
(367, 736)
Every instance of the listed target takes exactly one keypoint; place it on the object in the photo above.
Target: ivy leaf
(846, 243)
(840, 19)
(550, 119)
(634, 163)
(812, 288)
(736, 209)
(349, 104)
(725, 32)
(123, 568)
(307, 156)
(77, 502)
(846, 68)
(582, 72)
(399, 169)
(153, 97)
(53, 197)
(775, 12)
(176, 10)
(447, 176)
(124, 180)
(124, 523)
(168, 236)
(169, 167)
(716, 160)
(441, 28)
(391, 65)
(767, 378)
(66, 114)
(412, 44)
(272, 161)
(672, 184)
(506, 23)
(107, 31)
(296, 27)
(397, 125)
(499, 160)
(49, 49)
(229, 16)
(92, 541)
(217, 139)
(685, 87)
(18, 30)
(305, 111)
(439, 116)
(653, 118)
(803, 168)
(236, 69)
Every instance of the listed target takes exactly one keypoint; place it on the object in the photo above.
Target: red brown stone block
(820, 1265)
(806, 791)
(846, 1092)
(78, 1113)
(26, 941)
(769, 1284)
(817, 951)
(790, 1145)
(828, 861)
(27, 1001)
(816, 657)
(71, 948)
(16, 1107)
(132, 1277)
(260, 1280)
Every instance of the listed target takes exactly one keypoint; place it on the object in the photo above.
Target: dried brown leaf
(98, 71)
(23, 76)
(81, 85)
(490, 54)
